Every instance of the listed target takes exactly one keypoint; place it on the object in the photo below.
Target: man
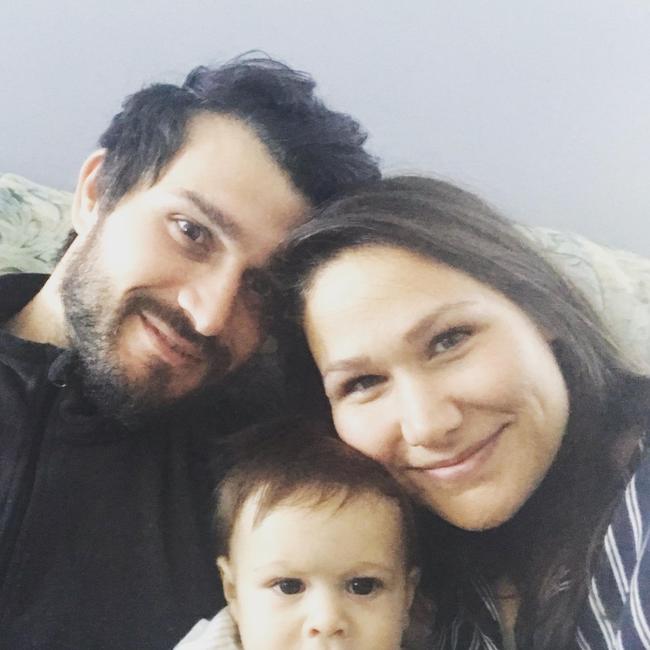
(110, 368)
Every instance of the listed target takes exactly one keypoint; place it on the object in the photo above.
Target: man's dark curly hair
(321, 150)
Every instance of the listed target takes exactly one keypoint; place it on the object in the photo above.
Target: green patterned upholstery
(616, 282)
(34, 222)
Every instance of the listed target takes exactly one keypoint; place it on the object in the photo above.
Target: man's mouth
(174, 348)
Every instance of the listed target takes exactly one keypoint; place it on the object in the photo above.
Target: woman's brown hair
(550, 546)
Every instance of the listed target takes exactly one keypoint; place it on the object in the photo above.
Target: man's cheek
(245, 337)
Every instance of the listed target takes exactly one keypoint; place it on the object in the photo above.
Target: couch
(34, 222)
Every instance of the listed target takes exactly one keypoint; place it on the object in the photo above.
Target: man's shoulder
(16, 290)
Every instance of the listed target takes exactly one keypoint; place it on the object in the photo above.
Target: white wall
(541, 106)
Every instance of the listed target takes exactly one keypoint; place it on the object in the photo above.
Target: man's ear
(228, 582)
(86, 197)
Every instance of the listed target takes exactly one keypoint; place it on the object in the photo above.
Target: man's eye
(290, 586)
(360, 384)
(363, 586)
(449, 339)
(192, 231)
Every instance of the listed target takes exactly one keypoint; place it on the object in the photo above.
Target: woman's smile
(464, 466)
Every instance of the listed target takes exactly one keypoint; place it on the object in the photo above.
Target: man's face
(156, 294)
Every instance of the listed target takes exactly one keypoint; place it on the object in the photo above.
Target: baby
(317, 549)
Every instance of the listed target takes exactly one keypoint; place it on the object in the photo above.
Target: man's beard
(94, 319)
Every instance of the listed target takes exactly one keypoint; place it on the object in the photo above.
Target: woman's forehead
(374, 280)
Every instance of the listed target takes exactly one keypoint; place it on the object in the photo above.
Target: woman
(454, 354)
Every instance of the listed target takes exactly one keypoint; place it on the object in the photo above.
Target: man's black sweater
(104, 532)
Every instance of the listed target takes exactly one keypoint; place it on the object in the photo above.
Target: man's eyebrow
(214, 214)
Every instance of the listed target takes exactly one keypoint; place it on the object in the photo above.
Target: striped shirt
(616, 615)
(621, 586)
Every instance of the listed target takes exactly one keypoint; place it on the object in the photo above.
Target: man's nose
(210, 297)
(427, 414)
(326, 616)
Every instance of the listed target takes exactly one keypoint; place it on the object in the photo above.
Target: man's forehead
(222, 154)
(225, 174)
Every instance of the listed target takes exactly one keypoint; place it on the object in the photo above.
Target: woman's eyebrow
(412, 335)
(345, 364)
(424, 324)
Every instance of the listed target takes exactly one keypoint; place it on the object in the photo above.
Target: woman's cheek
(361, 427)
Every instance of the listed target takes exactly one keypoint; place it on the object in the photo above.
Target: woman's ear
(228, 583)
(86, 197)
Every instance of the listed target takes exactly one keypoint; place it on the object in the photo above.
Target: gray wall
(541, 106)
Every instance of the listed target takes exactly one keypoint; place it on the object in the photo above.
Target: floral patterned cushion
(617, 283)
(34, 221)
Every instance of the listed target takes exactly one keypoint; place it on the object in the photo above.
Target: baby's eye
(448, 340)
(363, 586)
(192, 231)
(290, 586)
(359, 384)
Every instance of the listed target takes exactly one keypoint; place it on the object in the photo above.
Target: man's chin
(152, 398)
(133, 401)
(184, 390)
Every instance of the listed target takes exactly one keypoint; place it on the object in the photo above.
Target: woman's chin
(477, 517)
(478, 525)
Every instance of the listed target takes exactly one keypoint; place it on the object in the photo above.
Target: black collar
(16, 290)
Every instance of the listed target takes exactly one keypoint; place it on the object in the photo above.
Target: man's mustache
(210, 348)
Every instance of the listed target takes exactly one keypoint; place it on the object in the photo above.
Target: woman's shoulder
(618, 607)
(630, 525)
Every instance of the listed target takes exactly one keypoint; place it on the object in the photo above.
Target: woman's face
(439, 377)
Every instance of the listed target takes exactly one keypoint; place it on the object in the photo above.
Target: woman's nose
(426, 414)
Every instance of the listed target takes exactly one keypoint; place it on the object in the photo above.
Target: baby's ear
(228, 582)
(412, 582)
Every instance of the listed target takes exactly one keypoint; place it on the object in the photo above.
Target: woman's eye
(360, 384)
(448, 340)
(192, 231)
(363, 586)
(290, 586)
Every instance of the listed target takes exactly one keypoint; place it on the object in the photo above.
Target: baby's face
(322, 577)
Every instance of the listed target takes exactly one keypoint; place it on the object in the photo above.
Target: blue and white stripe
(616, 615)
(618, 609)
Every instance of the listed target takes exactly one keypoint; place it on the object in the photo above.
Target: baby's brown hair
(300, 462)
